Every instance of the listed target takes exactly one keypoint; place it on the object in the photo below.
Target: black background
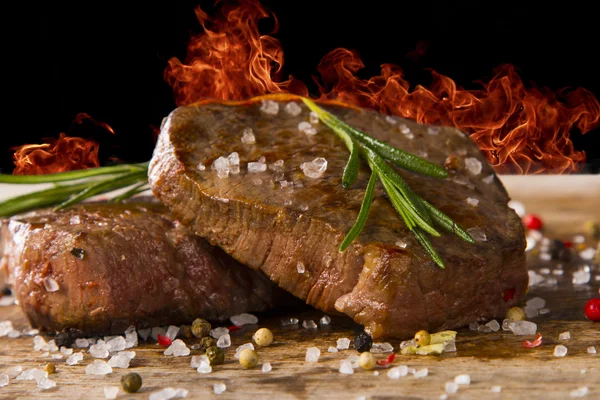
(107, 58)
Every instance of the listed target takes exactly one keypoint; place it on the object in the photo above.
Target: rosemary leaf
(40, 198)
(352, 167)
(73, 175)
(447, 223)
(424, 240)
(362, 215)
(135, 189)
(399, 203)
(105, 186)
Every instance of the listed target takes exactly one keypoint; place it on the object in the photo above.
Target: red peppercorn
(164, 340)
(532, 221)
(592, 310)
(568, 244)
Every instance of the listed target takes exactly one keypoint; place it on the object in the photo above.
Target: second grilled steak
(290, 225)
(99, 268)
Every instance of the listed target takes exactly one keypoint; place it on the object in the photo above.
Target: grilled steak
(283, 222)
(99, 268)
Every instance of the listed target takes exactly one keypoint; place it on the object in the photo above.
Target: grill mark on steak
(391, 290)
(140, 267)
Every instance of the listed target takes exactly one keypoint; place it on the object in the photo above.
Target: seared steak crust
(393, 291)
(118, 265)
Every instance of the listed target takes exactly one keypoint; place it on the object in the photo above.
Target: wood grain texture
(490, 359)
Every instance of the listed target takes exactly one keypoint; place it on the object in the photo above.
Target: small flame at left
(66, 153)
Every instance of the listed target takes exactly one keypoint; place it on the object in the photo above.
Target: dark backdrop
(107, 58)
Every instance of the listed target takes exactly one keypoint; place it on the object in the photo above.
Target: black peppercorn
(215, 355)
(64, 339)
(362, 342)
(201, 328)
(131, 382)
(558, 251)
(207, 342)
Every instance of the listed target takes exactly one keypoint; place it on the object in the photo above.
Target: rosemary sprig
(418, 215)
(75, 186)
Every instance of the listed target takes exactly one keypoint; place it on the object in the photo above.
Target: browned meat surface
(117, 265)
(273, 227)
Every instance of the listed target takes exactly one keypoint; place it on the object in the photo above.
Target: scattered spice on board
(530, 345)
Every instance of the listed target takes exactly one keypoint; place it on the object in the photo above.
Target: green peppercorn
(201, 328)
(131, 382)
(49, 368)
(215, 355)
(207, 342)
(185, 332)
(516, 314)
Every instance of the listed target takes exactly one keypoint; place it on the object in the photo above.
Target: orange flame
(519, 129)
(59, 155)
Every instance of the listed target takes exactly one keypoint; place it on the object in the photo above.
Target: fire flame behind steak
(117, 265)
(393, 291)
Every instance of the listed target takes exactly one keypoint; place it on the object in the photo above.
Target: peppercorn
(207, 342)
(64, 339)
(49, 368)
(215, 355)
(6, 291)
(451, 163)
(592, 228)
(248, 358)
(185, 332)
(592, 310)
(367, 361)
(131, 382)
(516, 314)
(558, 251)
(201, 328)
(362, 342)
(263, 337)
(422, 338)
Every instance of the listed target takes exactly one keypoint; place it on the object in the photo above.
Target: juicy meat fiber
(391, 289)
(138, 267)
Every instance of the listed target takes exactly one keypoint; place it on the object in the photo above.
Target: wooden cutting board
(565, 203)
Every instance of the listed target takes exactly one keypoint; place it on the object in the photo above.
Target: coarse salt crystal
(300, 267)
(117, 343)
(168, 393)
(111, 392)
(293, 109)
(119, 361)
(313, 118)
(391, 120)
(477, 234)
(204, 367)
(397, 372)
(401, 244)
(451, 387)
(269, 107)
(473, 202)
(433, 130)
(6, 301)
(256, 167)
(40, 344)
(493, 325)
(521, 328)
(74, 358)
(518, 207)
(346, 367)
(241, 348)
(178, 349)
(473, 165)
(289, 321)
(421, 373)
(315, 168)
(4, 380)
(591, 350)
(312, 355)
(46, 383)
(536, 302)
(307, 128)
(218, 332)
(98, 367)
(224, 341)
(462, 379)
(343, 344)
(543, 311)
(200, 167)
(587, 254)
(488, 179)
(496, 389)
(545, 271)
(266, 367)
(244, 319)
(82, 343)
(219, 388)
(196, 360)
(332, 349)
(354, 360)
(66, 350)
(309, 324)
(248, 136)
(99, 350)
(221, 165)
(560, 351)
(6, 327)
(564, 336)
(581, 276)
(50, 284)
(581, 392)
(13, 372)
(172, 332)
(325, 320)
(450, 346)
(378, 348)
(534, 278)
